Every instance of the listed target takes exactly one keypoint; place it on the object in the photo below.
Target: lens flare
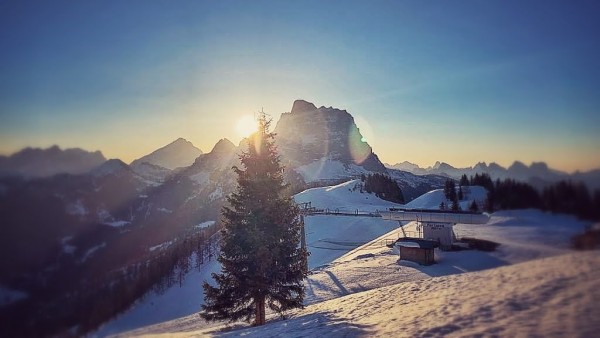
(357, 140)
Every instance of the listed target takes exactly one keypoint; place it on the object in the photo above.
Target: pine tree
(261, 261)
(450, 189)
(455, 206)
(464, 181)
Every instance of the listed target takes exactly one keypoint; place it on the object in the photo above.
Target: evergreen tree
(450, 189)
(464, 181)
(261, 261)
(384, 187)
(442, 206)
(460, 193)
(455, 205)
(474, 207)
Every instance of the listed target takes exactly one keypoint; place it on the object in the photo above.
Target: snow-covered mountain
(211, 173)
(179, 153)
(323, 143)
(36, 162)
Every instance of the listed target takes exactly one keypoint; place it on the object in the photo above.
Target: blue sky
(460, 82)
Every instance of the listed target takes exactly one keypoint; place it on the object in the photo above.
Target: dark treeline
(567, 197)
(94, 301)
(383, 187)
(453, 196)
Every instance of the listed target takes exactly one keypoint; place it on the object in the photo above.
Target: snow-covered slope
(327, 237)
(344, 197)
(552, 297)
(328, 169)
(453, 297)
(344, 266)
(432, 199)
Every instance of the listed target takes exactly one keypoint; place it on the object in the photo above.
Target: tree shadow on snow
(309, 325)
(334, 289)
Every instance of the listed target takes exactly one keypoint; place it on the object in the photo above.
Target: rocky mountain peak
(179, 153)
(223, 146)
(301, 106)
(308, 134)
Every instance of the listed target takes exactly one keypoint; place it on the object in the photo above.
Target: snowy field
(358, 287)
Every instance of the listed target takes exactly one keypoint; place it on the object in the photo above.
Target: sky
(459, 82)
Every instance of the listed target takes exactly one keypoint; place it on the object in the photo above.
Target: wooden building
(417, 250)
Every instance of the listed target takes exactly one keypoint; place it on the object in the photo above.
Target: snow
(327, 169)
(9, 296)
(551, 297)
(165, 210)
(175, 302)
(204, 224)
(345, 197)
(160, 246)
(434, 198)
(330, 237)
(358, 286)
(91, 251)
(117, 224)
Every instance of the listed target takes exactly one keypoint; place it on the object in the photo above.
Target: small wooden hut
(417, 250)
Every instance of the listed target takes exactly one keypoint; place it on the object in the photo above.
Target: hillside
(432, 199)
(327, 237)
(344, 267)
(533, 254)
(555, 297)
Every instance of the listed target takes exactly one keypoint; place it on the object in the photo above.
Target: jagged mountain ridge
(37, 162)
(537, 173)
(307, 135)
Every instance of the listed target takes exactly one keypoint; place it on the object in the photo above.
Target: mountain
(111, 167)
(406, 166)
(537, 173)
(36, 162)
(179, 153)
(323, 143)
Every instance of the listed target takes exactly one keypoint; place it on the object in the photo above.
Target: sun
(246, 125)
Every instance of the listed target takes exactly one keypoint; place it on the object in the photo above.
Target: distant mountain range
(36, 162)
(538, 173)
